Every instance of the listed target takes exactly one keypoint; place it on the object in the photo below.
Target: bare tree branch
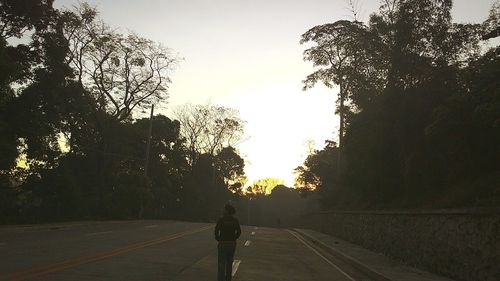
(122, 72)
(208, 128)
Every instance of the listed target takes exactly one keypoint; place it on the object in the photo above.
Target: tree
(345, 52)
(41, 109)
(409, 87)
(465, 126)
(318, 173)
(19, 16)
(168, 166)
(215, 167)
(208, 128)
(491, 25)
(264, 186)
(121, 72)
(230, 166)
(38, 103)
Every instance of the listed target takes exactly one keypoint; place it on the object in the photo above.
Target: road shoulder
(377, 266)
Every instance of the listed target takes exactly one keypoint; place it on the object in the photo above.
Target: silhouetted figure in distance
(227, 231)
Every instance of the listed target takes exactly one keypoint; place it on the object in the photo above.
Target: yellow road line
(40, 271)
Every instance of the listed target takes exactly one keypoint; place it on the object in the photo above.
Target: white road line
(236, 264)
(351, 258)
(151, 226)
(99, 233)
(323, 257)
(253, 233)
(246, 243)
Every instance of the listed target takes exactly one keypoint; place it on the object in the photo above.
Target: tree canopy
(122, 72)
(72, 140)
(422, 109)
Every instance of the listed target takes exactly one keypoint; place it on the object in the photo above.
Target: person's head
(229, 210)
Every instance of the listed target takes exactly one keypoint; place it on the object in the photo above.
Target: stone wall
(460, 244)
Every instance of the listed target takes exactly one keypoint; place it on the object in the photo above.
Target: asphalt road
(159, 250)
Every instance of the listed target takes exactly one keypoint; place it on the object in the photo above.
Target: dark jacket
(227, 229)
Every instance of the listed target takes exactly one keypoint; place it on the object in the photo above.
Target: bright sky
(246, 55)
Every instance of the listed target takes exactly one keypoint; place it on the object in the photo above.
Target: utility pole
(148, 141)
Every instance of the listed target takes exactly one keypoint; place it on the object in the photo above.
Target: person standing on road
(227, 231)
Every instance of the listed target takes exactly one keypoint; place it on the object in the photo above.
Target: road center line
(247, 243)
(44, 270)
(236, 264)
(253, 233)
(320, 255)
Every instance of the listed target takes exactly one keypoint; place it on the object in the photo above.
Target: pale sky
(246, 55)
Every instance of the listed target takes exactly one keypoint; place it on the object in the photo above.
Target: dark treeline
(268, 202)
(282, 208)
(71, 95)
(419, 99)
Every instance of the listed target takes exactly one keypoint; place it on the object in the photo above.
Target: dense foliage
(419, 100)
(422, 115)
(72, 143)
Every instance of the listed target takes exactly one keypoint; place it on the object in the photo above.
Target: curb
(375, 275)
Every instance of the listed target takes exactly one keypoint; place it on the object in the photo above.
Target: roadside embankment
(461, 244)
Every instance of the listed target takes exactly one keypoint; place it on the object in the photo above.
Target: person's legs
(230, 249)
(221, 263)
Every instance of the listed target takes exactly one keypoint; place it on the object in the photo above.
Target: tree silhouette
(407, 78)
(209, 128)
(121, 72)
(230, 165)
(345, 53)
(69, 95)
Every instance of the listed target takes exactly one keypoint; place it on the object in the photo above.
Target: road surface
(159, 250)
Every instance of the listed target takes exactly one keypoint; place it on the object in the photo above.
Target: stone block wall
(460, 244)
